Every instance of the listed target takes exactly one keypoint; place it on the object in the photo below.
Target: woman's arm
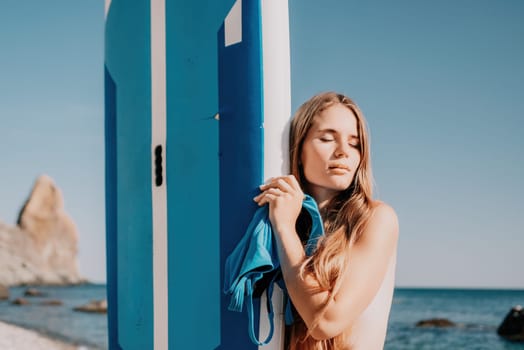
(368, 261)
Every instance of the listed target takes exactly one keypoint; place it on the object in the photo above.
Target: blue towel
(256, 256)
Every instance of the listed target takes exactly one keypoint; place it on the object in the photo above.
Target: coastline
(14, 337)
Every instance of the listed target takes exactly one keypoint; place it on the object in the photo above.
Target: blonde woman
(342, 293)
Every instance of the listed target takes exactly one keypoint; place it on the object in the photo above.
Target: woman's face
(331, 152)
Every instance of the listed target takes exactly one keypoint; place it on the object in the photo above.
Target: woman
(343, 292)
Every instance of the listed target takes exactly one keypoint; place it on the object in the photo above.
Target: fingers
(278, 183)
(266, 197)
(284, 183)
(273, 191)
(278, 186)
(265, 190)
(294, 182)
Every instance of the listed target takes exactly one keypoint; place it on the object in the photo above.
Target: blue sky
(51, 113)
(441, 84)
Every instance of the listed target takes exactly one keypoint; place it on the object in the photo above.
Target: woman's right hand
(284, 196)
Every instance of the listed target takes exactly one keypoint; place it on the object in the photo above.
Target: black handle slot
(158, 166)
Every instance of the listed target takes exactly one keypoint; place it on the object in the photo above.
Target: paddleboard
(162, 173)
(165, 162)
(254, 105)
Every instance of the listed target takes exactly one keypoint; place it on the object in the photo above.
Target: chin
(338, 186)
(341, 185)
(342, 188)
(330, 184)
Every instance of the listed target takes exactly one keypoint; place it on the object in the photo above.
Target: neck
(322, 197)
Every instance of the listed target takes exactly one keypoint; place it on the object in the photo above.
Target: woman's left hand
(284, 196)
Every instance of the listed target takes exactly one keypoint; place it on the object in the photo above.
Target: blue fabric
(256, 256)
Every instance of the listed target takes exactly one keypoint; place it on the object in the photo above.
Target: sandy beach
(17, 338)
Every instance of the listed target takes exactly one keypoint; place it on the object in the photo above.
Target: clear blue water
(61, 321)
(478, 313)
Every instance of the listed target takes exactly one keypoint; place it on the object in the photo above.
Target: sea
(60, 322)
(476, 312)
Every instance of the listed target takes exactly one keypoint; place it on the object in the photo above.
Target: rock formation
(94, 306)
(435, 322)
(42, 248)
(33, 292)
(512, 327)
(20, 301)
(4, 292)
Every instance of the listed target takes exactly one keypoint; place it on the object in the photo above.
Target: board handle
(158, 166)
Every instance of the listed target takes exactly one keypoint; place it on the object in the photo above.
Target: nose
(342, 150)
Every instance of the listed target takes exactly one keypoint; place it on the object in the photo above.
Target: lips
(339, 166)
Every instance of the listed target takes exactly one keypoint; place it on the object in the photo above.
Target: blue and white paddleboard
(163, 273)
(166, 241)
(255, 104)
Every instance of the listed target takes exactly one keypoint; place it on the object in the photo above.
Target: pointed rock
(42, 248)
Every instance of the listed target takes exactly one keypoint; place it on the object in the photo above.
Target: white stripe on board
(106, 7)
(277, 110)
(277, 86)
(159, 194)
(233, 25)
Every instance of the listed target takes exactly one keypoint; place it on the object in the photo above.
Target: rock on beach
(42, 247)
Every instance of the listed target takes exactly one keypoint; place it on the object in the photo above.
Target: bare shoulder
(382, 225)
(384, 214)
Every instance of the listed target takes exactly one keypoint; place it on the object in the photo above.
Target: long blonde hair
(344, 216)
